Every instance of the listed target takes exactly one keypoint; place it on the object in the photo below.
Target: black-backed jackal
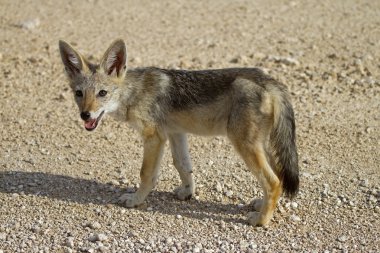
(248, 106)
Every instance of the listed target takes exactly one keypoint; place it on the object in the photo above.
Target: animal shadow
(84, 191)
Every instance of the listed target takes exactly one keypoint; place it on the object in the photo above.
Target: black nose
(85, 115)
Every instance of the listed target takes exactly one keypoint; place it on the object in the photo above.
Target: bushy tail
(283, 140)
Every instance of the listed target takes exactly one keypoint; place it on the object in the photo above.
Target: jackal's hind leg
(253, 153)
(181, 160)
(271, 188)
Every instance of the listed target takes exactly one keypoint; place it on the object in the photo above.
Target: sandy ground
(58, 182)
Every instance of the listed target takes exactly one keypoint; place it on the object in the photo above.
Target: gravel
(59, 184)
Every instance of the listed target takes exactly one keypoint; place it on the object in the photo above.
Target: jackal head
(96, 87)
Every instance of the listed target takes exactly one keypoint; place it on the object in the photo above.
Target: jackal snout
(85, 115)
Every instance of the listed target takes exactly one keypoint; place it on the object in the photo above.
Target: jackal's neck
(133, 86)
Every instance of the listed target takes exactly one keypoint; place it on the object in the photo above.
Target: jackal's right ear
(71, 59)
(114, 61)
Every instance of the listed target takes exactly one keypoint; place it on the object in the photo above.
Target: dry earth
(58, 182)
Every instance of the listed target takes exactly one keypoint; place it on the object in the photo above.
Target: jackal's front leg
(181, 160)
(153, 149)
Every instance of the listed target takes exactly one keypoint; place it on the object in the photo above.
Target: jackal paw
(184, 192)
(254, 218)
(257, 204)
(130, 200)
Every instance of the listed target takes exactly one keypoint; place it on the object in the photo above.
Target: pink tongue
(90, 124)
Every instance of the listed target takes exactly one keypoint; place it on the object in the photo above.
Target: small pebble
(169, 240)
(372, 199)
(294, 205)
(289, 61)
(98, 238)
(342, 238)
(70, 242)
(229, 193)
(124, 181)
(66, 250)
(218, 187)
(103, 249)
(295, 218)
(115, 182)
(3, 236)
(259, 55)
(94, 225)
(364, 183)
(244, 244)
(30, 24)
(102, 237)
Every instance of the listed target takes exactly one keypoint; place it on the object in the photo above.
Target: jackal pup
(251, 108)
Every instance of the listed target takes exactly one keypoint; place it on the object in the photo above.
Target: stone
(169, 240)
(364, 183)
(30, 24)
(342, 238)
(196, 250)
(70, 242)
(3, 236)
(294, 205)
(229, 193)
(66, 250)
(98, 238)
(295, 218)
(218, 187)
(94, 225)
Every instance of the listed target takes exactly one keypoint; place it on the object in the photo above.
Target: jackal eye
(102, 93)
(79, 93)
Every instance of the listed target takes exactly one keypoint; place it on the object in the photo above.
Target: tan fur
(267, 104)
(211, 120)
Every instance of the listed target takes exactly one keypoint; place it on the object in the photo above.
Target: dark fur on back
(193, 88)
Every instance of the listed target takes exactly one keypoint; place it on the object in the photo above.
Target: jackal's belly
(200, 122)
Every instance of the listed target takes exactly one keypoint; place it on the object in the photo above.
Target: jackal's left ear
(114, 61)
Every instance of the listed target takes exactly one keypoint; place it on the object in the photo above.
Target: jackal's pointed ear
(72, 60)
(114, 61)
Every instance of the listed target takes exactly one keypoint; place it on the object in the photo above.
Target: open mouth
(93, 123)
